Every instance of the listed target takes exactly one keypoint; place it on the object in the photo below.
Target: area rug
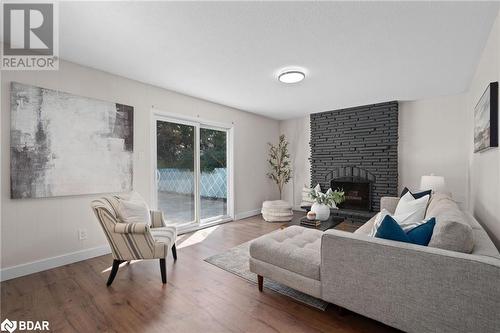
(235, 261)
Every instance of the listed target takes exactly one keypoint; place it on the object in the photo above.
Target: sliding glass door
(175, 172)
(192, 183)
(213, 176)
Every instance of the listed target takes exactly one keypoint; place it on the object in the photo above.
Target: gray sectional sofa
(414, 288)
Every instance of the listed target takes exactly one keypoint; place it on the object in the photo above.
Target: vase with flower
(323, 202)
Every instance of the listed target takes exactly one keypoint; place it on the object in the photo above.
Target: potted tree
(279, 163)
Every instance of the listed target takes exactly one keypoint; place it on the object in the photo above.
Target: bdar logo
(24, 325)
(8, 325)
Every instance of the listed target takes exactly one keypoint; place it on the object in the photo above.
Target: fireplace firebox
(357, 192)
(357, 186)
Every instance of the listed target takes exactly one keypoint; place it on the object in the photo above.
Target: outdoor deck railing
(212, 184)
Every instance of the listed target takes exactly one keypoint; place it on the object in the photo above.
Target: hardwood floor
(198, 297)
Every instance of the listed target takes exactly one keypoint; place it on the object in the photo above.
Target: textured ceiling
(228, 52)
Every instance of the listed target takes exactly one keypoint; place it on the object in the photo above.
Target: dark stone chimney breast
(360, 138)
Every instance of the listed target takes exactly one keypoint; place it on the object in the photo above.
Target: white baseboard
(44, 264)
(244, 215)
(65, 259)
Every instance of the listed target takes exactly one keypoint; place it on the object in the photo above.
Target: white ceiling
(228, 52)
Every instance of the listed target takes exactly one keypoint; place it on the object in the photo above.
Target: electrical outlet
(82, 234)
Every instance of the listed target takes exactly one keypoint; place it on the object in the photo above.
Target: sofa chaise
(410, 287)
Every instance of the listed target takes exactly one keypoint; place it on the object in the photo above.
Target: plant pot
(322, 211)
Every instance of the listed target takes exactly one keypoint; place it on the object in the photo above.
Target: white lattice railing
(212, 184)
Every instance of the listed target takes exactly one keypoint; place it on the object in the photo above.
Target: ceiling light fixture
(291, 76)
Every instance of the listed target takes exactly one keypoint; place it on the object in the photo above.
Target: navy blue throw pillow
(422, 234)
(416, 195)
(390, 229)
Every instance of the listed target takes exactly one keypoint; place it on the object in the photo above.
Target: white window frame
(161, 115)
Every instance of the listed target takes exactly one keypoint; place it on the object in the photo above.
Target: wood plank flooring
(198, 297)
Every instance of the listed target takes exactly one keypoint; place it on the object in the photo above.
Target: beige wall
(297, 132)
(33, 230)
(484, 167)
(432, 140)
(37, 229)
(435, 136)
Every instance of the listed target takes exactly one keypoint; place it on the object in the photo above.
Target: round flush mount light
(291, 76)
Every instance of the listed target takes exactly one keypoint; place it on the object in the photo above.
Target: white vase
(322, 211)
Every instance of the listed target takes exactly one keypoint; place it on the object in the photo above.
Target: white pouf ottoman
(277, 211)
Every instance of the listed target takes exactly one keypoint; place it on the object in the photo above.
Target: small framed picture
(486, 119)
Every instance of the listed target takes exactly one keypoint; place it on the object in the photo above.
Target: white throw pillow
(133, 209)
(413, 208)
(410, 213)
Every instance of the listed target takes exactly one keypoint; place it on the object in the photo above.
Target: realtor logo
(30, 38)
(8, 325)
(24, 325)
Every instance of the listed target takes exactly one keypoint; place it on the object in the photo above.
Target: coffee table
(325, 225)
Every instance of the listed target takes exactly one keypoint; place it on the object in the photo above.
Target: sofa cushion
(452, 231)
(452, 235)
(295, 248)
(439, 202)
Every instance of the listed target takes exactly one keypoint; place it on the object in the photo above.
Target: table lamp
(433, 182)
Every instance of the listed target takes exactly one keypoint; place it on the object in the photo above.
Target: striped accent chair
(133, 241)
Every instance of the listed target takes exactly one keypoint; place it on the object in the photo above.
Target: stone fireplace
(357, 149)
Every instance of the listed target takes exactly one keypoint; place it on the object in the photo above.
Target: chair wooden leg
(114, 270)
(163, 269)
(260, 279)
(174, 252)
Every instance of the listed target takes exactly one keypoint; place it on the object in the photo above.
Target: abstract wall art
(486, 119)
(62, 144)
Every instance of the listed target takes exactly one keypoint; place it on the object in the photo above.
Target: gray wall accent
(364, 136)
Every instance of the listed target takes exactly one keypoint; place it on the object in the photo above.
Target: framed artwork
(62, 144)
(486, 119)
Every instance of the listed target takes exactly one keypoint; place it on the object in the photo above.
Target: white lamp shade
(434, 183)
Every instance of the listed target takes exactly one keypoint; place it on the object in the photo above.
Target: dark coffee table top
(325, 225)
(347, 212)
